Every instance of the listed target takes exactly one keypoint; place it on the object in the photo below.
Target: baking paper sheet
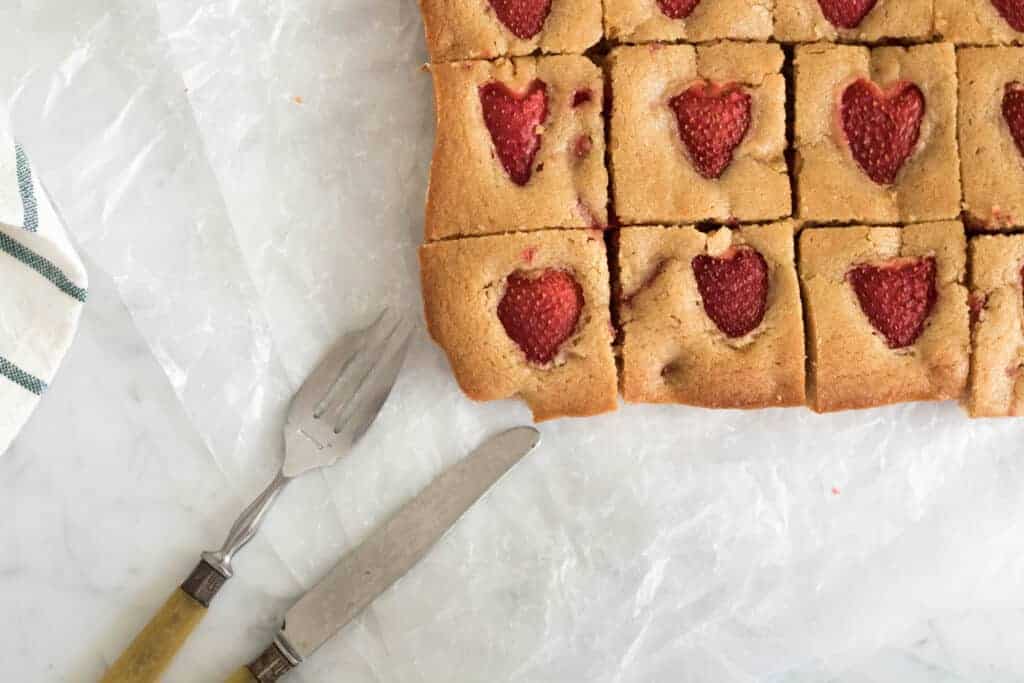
(252, 176)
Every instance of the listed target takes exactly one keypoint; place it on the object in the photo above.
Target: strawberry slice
(713, 119)
(513, 120)
(734, 289)
(846, 13)
(524, 18)
(896, 296)
(1012, 11)
(881, 126)
(1013, 112)
(677, 9)
(540, 310)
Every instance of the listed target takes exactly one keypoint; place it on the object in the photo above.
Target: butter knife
(386, 555)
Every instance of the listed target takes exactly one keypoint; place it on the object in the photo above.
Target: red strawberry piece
(1012, 11)
(734, 289)
(524, 18)
(976, 304)
(881, 126)
(540, 310)
(581, 97)
(712, 119)
(897, 297)
(677, 9)
(846, 13)
(582, 147)
(1013, 112)
(513, 120)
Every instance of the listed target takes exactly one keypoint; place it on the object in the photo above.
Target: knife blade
(387, 555)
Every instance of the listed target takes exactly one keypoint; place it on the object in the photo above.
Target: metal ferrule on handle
(154, 648)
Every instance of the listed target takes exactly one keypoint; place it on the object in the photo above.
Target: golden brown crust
(991, 164)
(831, 187)
(802, 21)
(973, 22)
(641, 21)
(851, 365)
(654, 179)
(672, 352)
(997, 337)
(470, 192)
(469, 29)
(463, 282)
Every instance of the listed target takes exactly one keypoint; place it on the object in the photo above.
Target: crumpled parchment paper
(252, 176)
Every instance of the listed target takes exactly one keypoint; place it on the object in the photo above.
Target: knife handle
(153, 649)
(243, 675)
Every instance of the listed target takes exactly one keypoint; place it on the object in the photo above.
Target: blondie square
(711, 320)
(997, 335)
(887, 315)
(525, 315)
(980, 22)
(991, 132)
(855, 21)
(875, 134)
(485, 29)
(645, 21)
(519, 146)
(698, 133)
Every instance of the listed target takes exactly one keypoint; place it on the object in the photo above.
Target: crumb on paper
(297, 99)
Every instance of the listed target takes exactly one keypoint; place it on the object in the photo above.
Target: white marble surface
(232, 232)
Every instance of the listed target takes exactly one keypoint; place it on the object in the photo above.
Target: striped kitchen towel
(42, 289)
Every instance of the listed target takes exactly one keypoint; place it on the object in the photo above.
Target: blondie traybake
(997, 330)
(644, 21)
(887, 317)
(485, 29)
(711, 319)
(519, 146)
(525, 315)
(875, 133)
(991, 130)
(698, 133)
(728, 203)
(860, 21)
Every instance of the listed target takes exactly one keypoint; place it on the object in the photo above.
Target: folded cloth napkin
(42, 289)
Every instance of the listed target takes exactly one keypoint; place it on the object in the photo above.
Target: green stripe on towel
(28, 193)
(21, 378)
(43, 266)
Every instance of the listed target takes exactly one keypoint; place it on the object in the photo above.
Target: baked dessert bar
(698, 133)
(855, 21)
(519, 146)
(711, 320)
(991, 132)
(525, 315)
(887, 314)
(997, 333)
(980, 22)
(644, 21)
(485, 29)
(875, 133)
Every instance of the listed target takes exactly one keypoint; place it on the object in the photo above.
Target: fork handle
(151, 652)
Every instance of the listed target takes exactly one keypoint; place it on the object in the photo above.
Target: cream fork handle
(154, 648)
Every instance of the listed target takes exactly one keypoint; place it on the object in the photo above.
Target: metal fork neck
(245, 527)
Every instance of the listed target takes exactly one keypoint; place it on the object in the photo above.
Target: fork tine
(363, 409)
(322, 380)
(370, 337)
(357, 371)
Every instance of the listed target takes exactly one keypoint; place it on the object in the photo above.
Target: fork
(328, 415)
